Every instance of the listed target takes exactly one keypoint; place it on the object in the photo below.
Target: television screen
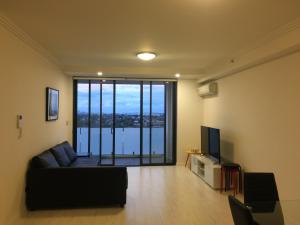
(204, 140)
(214, 143)
(210, 142)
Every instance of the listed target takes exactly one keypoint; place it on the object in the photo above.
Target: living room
(251, 50)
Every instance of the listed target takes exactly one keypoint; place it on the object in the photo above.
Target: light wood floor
(155, 196)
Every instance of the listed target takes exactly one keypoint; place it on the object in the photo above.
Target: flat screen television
(204, 140)
(210, 143)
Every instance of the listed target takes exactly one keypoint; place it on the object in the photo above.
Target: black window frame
(174, 122)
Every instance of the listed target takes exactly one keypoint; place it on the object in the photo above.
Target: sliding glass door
(82, 119)
(157, 131)
(146, 124)
(107, 147)
(125, 122)
(153, 113)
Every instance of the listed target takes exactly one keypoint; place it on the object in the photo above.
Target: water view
(127, 141)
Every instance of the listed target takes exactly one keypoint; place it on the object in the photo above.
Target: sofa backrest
(69, 151)
(60, 155)
(44, 160)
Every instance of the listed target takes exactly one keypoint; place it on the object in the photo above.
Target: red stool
(231, 177)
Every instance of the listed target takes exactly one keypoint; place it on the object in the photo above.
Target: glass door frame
(113, 124)
(150, 127)
(174, 122)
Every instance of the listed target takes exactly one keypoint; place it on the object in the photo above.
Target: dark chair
(260, 187)
(240, 213)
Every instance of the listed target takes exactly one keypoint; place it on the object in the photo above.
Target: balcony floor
(131, 161)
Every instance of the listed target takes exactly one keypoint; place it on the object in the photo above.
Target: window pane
(82, 117)
(146, 123)
(127, 123)
(107, 123)
(95, 119)
(158, 117)
(169, 122)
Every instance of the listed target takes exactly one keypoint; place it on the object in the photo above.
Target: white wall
(189, 118)
(258, 112)
(24, 75)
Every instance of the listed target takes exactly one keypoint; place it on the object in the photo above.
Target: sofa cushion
(45, 160)
(69, 151)
(85, 162)
(61, 156)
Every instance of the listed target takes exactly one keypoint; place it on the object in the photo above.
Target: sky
(127, 98)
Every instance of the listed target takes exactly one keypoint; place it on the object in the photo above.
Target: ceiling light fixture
(146, 56)
(177, 75)
(99, 73)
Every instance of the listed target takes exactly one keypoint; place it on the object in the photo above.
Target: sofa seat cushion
(69, 151)
(84, 162)
(45, 160)
(61, 156)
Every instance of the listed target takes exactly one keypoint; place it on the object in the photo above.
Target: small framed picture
(52, 104)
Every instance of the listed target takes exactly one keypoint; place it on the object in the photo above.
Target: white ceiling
(190, 36)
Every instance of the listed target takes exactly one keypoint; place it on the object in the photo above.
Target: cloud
(127, 98)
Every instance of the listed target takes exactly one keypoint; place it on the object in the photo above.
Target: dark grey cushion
(85, 162)
(61, 156)
(69, 151)
(45, 160)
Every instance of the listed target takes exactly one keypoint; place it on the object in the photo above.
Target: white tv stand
(207, 170)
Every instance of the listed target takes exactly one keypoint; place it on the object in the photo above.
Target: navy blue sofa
(57, 178)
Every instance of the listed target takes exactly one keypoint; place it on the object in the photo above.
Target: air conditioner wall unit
(209, 89)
